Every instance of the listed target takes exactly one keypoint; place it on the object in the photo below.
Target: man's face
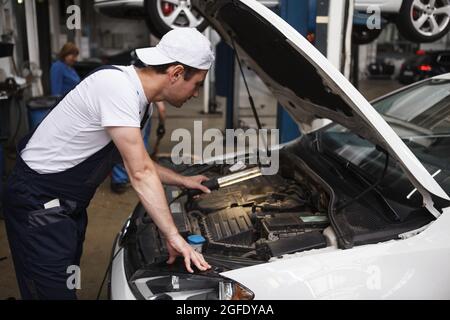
(181, 90)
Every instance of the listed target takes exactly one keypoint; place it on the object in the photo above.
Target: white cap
(185, 45)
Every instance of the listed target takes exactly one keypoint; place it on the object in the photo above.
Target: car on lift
(417, 20)
(161, 16)
(358, 210)
(424, 65)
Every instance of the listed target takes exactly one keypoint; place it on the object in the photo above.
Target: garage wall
(100, 35)
(441, 44)
(116, 35)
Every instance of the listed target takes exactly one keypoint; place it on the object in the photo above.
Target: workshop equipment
(6, 49)
(38, 108)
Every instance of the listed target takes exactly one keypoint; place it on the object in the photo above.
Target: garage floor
(108, 211)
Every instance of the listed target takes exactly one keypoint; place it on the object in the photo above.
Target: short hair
(68, 49)
(189, 72)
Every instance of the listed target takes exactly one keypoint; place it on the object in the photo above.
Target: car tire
(363, 35)
(156, 13)
(413, 12)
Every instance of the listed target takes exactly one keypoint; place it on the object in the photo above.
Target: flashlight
(226, 181)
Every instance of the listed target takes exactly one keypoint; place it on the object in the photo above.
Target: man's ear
(176, 73)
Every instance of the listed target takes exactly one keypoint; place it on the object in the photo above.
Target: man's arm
(147, 184)
(172, 178)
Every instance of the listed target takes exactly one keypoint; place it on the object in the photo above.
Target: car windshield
(420, 115)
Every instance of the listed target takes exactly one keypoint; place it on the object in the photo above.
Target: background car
(417, 20)
(381, 69)
(161, 16)
(424, 65)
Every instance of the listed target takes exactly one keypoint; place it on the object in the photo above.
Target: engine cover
(229, 228)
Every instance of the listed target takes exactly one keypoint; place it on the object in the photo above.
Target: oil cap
(196, 242)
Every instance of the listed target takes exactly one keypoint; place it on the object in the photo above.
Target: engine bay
(267, 217)
(261, 218)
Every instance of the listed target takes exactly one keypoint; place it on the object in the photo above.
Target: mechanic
(61, 164)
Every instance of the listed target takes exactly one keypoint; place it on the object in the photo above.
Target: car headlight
(190, 287)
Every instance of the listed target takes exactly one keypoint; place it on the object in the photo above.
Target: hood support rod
(250, 98)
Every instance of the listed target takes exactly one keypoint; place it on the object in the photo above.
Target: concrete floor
(108, 211)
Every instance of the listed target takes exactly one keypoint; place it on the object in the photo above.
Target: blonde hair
(68, 49)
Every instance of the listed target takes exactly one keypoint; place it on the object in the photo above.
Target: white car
(417, 20)
(161, 16)
(358, 210)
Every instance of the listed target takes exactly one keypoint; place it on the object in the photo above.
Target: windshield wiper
(355, 172)
(318, 146)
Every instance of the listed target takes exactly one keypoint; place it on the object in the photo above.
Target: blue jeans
(119, 174)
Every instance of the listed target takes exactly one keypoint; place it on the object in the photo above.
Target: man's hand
(195, 183)
(177, 246)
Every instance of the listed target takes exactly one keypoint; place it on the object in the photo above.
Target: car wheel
(165, 15)
(363, 35)
(424, 20)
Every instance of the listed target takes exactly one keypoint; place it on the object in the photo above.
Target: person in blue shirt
(63, 76)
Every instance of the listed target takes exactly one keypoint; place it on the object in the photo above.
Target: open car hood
(306, 84)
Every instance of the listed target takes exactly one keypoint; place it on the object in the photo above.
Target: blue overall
(45, 242)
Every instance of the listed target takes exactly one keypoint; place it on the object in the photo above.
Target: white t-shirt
(75, 129)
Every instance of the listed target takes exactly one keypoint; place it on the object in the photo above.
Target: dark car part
(233, 219)
(231, 228)
(381, 214)
(363, 35)
(178, 211)
(285, 225)
(303, 242)
(246, 193)
(120, 9)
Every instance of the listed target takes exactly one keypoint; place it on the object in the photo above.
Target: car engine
(261, 218)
